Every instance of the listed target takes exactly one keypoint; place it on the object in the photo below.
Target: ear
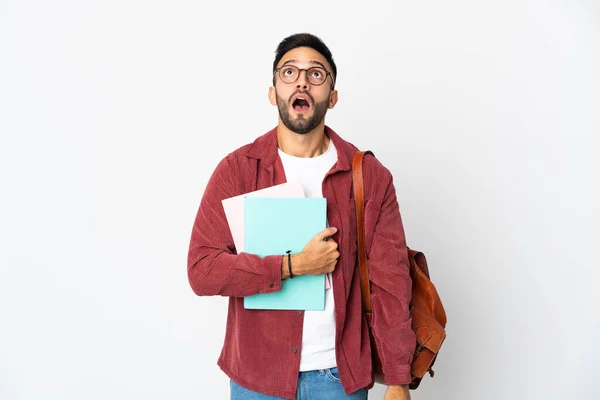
(273, 96)
(333, 98)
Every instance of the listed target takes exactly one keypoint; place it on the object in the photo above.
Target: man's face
(302, 105)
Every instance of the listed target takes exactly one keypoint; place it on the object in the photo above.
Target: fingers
(324, 254)
(331, 266)
(326, 233)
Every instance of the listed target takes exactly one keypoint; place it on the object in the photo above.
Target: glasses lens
(289, 73)
(316, 75)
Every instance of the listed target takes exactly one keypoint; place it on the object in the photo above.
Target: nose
(302, 81)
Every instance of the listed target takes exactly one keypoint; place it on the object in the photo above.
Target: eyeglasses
(315, 75)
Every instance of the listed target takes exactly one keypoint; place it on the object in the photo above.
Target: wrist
(397, 392)
(285, 274)
(297, 264)
(296, 261)
(398, 387)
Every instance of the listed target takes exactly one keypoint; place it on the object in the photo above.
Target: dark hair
(304, 40)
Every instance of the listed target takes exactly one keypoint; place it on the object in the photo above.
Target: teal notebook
(274, 226)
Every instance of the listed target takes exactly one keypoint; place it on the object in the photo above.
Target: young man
(307, 354)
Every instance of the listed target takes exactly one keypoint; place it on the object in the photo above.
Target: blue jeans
(322, 384)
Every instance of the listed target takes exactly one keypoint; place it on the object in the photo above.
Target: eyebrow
(311, 61)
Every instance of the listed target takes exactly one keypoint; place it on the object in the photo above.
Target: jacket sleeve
(391, 287)
(214, 267)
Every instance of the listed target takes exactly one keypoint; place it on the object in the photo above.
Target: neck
(310, 144)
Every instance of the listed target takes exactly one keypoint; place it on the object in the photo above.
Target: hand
(397, 392)
(318, 256)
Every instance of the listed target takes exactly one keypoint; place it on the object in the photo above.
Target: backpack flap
(428, 320)
(430, 336)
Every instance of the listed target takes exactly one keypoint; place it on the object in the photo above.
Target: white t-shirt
(318, 334)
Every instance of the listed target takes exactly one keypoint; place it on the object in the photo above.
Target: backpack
(426, 309)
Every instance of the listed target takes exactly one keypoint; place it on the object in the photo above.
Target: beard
(300, 124)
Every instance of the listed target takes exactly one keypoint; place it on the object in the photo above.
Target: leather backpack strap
(359, 199)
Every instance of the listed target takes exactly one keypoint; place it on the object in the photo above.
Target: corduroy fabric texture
(261, 349)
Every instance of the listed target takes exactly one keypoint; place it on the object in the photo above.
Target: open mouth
(301, 104)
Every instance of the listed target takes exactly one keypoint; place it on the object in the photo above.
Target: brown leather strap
(359, 199)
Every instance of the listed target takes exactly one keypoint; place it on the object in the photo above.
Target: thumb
(326, 233)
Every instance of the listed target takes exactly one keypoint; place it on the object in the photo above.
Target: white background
(113, 115)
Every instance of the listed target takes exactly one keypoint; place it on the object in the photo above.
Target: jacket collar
(265, 148)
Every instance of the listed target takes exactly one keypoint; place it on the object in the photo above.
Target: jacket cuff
(273, 277)
(397, 375)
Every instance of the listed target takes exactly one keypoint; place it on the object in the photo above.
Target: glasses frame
(327, 74)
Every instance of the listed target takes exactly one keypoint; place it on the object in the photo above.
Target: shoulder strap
(359, 199)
